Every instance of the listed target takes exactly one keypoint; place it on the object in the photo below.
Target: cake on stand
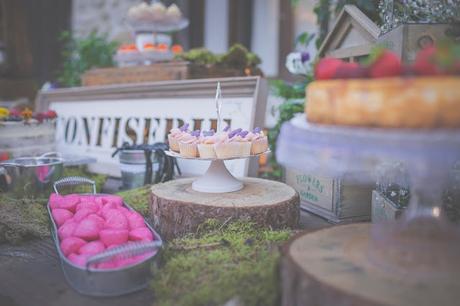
(411, 261)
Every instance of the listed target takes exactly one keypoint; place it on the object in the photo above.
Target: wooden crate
(19, 139)
(339, 199)
(157, 72)
(136, 74)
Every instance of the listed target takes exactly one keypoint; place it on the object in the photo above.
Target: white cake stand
(217, 178)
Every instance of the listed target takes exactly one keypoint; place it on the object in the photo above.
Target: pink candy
(89, 225)
(112, 237)
(135, 220)
(141, 234)
(61, 215)
(92, 248)
(87, 229)
(71, 245)
(115, 219)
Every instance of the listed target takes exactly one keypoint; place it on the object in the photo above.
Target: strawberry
(386, 64)
(425, 62)
(326, 68)
(351, 71)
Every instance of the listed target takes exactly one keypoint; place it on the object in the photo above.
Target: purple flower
(196, 133)
(304, 56)
(256, 130)
(184, 127)
(227, 128)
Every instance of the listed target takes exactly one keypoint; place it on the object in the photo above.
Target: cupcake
(188, 144)
(157, 11)
(259, 142)
(175, 135)
(235, 145)
(173, 12)
(206, 145)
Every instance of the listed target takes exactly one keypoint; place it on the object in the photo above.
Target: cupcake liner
(232, 149)
(259, 145)
(173, 143)
(188, 149)
(206, 150)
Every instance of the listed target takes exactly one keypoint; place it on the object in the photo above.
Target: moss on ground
(25, 219)
(138, 199)
(220, 263)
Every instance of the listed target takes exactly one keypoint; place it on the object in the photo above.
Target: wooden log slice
(333, 266)
(177, 209)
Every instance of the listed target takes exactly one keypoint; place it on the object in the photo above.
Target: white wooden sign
(93, 121)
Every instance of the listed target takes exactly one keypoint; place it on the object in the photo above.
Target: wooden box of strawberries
(105, 247)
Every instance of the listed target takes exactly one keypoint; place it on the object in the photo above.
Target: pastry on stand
(411, 261)
(180, 206)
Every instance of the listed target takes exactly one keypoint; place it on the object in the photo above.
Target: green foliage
(237, 57)
(99, 179)
(138, 199)
(80, 55)
(219, 263)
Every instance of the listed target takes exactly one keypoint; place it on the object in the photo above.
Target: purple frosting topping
(227, 128)
(233, 133)
(195, 133)
(257, 130)
(184, 127)
(243, 133)
(208, 133)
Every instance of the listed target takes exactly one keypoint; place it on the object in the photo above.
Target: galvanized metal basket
(107, 282)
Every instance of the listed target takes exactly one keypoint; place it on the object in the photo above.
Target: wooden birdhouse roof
(352, 35)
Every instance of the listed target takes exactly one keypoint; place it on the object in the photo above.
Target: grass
(220, 263)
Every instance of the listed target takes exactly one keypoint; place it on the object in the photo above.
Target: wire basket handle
(74, 181)
(125, 251)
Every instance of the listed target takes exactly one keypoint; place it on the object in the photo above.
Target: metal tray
(107, 282)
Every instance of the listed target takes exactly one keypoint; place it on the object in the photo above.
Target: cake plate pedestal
(180, 206)
(411, 261)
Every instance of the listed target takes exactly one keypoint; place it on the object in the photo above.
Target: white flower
(298, 62)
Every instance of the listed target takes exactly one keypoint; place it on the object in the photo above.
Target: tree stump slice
(177, 209)
(332, 267)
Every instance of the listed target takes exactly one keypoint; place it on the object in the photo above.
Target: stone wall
(104, 16)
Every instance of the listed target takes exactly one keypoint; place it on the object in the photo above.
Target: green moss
(219, 263)
(138, 199)
(25, 219)
(21, 220)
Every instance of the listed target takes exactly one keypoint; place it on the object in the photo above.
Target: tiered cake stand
(180, 206)
(413, 261)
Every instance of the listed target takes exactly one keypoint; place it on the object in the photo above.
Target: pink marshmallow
(70, 202)
(92, 248)
(79, 260)
(55, 200)
(99, 220)
(141, 234)
(135, 220)
(82, 213)
(123, 262)
(117, 200)
(115, 219)
(61, 215)
(67, 229)
(113, 237)
(124, 210)
(88, 205)
(71, 245)
(87, 229)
